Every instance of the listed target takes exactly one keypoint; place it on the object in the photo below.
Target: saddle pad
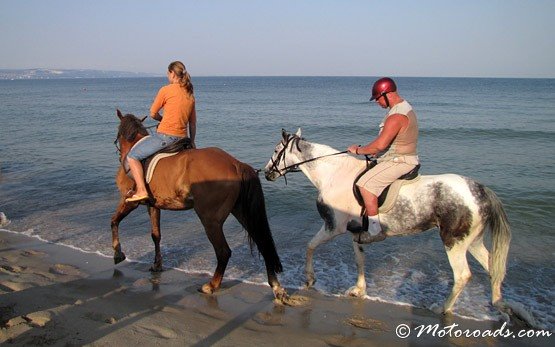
(153, 162)
(393, 192)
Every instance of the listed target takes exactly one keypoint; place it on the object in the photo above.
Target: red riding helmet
(383, 86)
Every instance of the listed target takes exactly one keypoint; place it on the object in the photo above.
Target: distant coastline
(34, 74)
(46, 74)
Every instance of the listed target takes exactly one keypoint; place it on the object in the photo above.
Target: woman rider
(179, 121)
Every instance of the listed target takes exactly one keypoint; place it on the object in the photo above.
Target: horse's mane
(130, 126)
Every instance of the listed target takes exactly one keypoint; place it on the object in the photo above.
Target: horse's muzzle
(271, 175)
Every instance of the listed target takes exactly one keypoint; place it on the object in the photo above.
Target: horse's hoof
(436, 308)
(280, 294)
(118, 258)
(207, 289)
(310, 282)
(282, 298)
(356, 292)
(156, 266)
(447, 313)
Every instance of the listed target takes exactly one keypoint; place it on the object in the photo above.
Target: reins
(312, 159)
(294, 167)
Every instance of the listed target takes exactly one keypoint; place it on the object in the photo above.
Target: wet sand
(55, 295)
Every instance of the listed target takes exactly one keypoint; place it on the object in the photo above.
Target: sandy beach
(55, 295)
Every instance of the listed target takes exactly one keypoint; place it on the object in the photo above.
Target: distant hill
(27, 74)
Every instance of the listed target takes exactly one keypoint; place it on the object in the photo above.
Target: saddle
(149, 164)
(387, 198)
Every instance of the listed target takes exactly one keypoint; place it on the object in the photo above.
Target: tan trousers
(382, 175)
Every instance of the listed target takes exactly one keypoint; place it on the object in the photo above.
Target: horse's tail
(251, 211)
(501, 238)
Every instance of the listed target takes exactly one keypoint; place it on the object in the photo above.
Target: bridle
(118, 151)
(293, 140)
(118, 147)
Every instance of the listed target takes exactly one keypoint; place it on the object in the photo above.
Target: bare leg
(370, 202)
(138, 175)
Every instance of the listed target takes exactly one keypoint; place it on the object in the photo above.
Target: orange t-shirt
(178, 108)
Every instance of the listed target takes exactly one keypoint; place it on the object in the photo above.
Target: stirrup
(356, 227)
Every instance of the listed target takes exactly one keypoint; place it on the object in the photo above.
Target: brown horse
(211, 182)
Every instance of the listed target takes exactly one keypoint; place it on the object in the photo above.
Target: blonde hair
(185, 79)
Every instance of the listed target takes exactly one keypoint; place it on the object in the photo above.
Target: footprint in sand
(367, 323)
(98, 317)
(64, 269)
(141, 282)
(269, 319)
(156, 331)
(13, 286)
(13, 322)
(294, 300)
(38, 319)
(33, 253)
(12, 269)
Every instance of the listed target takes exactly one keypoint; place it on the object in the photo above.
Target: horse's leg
(481, 253)
(262, 237)
(461, 273)
(154, 214)
(359, 290)
(121, 212)
(322, 236)
(216, 236)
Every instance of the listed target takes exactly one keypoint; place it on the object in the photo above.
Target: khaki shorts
(382, 175)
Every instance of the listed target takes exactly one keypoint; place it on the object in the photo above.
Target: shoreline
(54, 294)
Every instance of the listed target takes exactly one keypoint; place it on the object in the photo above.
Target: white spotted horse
(461, 208)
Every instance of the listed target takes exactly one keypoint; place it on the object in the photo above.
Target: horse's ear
(142, 120)
(284, 134)
(118, 112)
(298, 132)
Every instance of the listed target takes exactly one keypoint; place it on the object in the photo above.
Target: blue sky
(472, 38)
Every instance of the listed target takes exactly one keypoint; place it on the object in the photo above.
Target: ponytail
(185, 79)
(186, 82)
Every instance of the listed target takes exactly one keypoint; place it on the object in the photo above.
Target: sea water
(58, 162)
